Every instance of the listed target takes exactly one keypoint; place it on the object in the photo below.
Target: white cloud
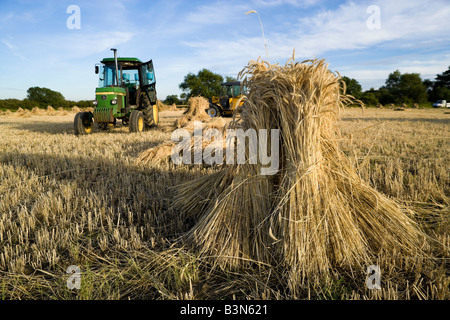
(221, 12)
(13, 49)
(405, 24)
(296, 3)
(73, 45)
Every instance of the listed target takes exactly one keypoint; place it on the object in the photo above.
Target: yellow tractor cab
(232, 95)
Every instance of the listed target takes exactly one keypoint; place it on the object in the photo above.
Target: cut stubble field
(87, 201)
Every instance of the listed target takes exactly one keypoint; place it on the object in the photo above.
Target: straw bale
(164, 107)
(315, 215)
(196, 112)
(76, 109)
(157, 155)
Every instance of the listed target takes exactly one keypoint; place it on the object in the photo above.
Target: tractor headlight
(95, 102)
(114, 101)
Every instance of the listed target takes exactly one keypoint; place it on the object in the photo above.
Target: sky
(48, 44)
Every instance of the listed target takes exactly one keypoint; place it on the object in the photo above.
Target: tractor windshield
(107, 76)
(110, 75)
(232, 91)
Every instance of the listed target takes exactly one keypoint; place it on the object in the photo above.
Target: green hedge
(14, 104)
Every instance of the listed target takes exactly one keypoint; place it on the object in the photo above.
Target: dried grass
(157, 155)
(76, 109)
(22, 113)
(162, 153)
(165, 107)
(316, 215)
(196, 112)
(37, 111)
(51, 111)
(55, 211)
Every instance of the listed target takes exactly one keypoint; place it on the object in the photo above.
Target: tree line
(407, 88)
(41, 98)
(399, 88)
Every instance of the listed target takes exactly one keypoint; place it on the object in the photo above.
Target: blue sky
(38, 49)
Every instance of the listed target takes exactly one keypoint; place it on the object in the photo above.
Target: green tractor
(126, 91)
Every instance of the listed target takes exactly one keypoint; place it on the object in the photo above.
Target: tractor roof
(109, 60)
(232, 83)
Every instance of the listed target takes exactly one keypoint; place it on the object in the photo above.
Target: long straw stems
(315, 215)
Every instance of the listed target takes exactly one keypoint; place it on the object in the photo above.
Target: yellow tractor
(232, 95)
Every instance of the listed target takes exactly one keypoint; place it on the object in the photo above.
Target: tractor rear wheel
(151, 113)
(213, 111)
(137, 122)
(83, 123)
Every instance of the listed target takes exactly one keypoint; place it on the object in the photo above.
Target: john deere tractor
(231, 97)
(126, 91)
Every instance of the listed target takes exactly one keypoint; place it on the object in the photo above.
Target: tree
(230, 79)
(439, 89)
(353, 87)
(443, 80)
(412, 89)
(393, 82)
(385, 97)
(403, 88)
(45, 96)
(441, 93)
(171, 99)
(183, 98)
(369, 98)
(206, 84)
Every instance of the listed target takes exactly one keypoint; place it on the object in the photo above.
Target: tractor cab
(231, 97)
(131, 75)
(126, 91)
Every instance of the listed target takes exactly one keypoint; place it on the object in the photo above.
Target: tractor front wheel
(83, 123)
(137, 122)
(213, 111)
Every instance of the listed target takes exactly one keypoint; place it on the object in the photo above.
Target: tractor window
(236, 91)
(227, 91)
(231, 91)
(109, 78)
(101, 76)
(148, 74)
(130, 78)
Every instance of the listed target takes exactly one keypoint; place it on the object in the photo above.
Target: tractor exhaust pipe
(117, 66)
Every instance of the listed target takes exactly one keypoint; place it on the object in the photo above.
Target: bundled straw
(196, 112)
(76, 109)
(37, 111)
(162, 153)
(315, 215)
(164, 107)
(51, 111)
(157, 155)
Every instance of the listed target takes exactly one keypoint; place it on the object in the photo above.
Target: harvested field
(88, 201)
